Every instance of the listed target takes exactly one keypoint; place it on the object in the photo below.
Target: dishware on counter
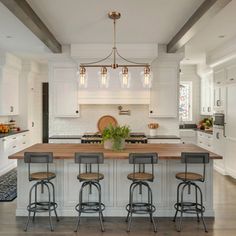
(153, 128)
(105, 121)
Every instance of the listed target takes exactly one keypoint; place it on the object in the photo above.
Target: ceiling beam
(197, 21)
(22, 10)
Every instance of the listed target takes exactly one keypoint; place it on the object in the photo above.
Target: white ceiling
(142, 21)
(15, 36)
(208, 38)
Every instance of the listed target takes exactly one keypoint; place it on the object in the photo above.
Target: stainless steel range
(97, 138)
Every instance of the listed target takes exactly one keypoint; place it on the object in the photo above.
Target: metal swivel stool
(140, 179)
(43, 180)
(188, 180)
(90, 178)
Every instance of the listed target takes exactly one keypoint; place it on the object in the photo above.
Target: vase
(152, 132)
(114, 144)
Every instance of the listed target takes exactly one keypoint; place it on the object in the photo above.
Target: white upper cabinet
(207, 95)
(65, 92)
(9, 92)
(163, 94)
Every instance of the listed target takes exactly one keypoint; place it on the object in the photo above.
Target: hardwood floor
(223, 225)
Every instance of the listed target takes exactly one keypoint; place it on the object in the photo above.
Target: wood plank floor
(223, 225)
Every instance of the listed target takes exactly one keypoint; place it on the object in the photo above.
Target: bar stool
(90, 178)
(42, 179)
(139, 179)
(189, 180)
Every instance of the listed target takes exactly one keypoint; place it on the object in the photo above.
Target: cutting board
(104, 121)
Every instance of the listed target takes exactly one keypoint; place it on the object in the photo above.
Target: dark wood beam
(197, 21)
(22, 10)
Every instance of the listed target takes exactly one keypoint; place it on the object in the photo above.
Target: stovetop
(97, 138)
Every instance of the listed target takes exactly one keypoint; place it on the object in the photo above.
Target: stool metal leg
(35, 200)
(100, 209)
(54, 200)
(182, 207)
(49, 206)
(29, 212)
(202, 217)
(131, 205)
(196, 202)
(177, 210)
(80, 206)
(151, 214)
(127, 218)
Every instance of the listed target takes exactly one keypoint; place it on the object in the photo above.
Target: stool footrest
(141, 208)
(89, 207)
(190, 207)
(42, 206)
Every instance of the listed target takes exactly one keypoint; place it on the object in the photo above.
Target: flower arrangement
(114, 137)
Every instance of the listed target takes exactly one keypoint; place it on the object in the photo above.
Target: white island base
(115, 187)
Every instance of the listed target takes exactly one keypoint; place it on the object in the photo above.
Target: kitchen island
(115, 185)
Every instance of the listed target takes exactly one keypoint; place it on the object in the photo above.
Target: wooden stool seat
(42, 176)
(140, 176)
(189, 176)
(90, 176)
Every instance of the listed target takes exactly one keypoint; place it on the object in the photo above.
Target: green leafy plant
(116, 134)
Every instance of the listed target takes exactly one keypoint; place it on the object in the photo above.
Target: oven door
(219, 119)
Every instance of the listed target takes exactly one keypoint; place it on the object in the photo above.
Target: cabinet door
(65, 92)
(203, 97)
(9, 92)
(163, 94)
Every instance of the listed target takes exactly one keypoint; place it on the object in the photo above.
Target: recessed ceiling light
(221, 36)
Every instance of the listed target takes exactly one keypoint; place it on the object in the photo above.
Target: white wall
(189, 73)
(90, 115)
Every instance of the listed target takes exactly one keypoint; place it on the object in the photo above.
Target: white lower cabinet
(10, 145)
(205, 140)
(188, 136)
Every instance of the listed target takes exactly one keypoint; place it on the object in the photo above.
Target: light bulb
(104, 77)
(147, 77)
(83, 78)
(125, 77)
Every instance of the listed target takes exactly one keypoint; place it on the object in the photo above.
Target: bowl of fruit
(4, 128)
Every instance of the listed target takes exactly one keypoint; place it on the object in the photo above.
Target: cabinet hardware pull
(11, 108)
(76, 111)
(151, 111)
(218, 103)
(218, 82)
(218, 135)
(14, 146)
(231, 79)
(14, 138)
(4, 140)
(23, 143)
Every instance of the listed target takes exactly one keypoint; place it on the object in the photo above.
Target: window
(185, 101)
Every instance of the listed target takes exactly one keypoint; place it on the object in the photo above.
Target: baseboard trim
(7, 168)
(220, 170)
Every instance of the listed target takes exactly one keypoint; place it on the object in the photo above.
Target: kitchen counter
(80, 136)
(3, 135)
(65, 136)
(162, 137)
(66, 151)
(115, 185)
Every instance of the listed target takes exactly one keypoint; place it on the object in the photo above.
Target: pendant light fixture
(124, 75)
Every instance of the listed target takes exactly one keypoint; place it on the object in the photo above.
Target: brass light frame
(114, 15)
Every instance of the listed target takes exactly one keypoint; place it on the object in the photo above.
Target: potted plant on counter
(114, 137)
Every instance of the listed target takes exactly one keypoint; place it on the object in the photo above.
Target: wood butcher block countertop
(66, 151)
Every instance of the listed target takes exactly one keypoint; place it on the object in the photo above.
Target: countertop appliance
(97, 138)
